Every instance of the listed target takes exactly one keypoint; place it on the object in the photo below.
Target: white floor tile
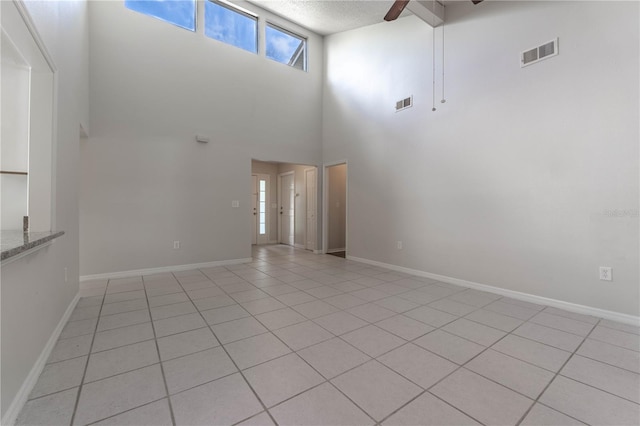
(282, 378)
(120, 360)
(489, 358)
(256, 350)
(186, 343)
(312, 408)
(482, 399)
(54, 409)
(156, 414)
(418, 365)
(192, 370)
(234, 402)
(333, 357)
(105, 398)
(588, 404)
(376, 389)
(449, 346)
(299, 336)
(427, 410)
(373, 341)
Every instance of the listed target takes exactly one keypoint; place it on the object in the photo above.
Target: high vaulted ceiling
(329, 16)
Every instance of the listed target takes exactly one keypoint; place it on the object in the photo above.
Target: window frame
(305, 41)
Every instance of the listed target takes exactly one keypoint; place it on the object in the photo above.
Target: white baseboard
(150, 271)
(335, 250)
(27, 386)
(560, 304)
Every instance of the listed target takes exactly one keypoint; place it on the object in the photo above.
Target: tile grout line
(459, 316)
(436, 308)
(556, 375)
(239, 371)
(459, 366)
(126, 411)
(325, 380)
(331, 268)
(86, 366)
(155, 338)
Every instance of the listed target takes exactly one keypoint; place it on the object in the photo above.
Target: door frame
(325, 205)
(280, 176)
(306, 205)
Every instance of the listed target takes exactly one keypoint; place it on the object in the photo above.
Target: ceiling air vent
(404, 103)
(539, 53)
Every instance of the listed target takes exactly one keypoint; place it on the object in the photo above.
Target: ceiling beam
(429, 11)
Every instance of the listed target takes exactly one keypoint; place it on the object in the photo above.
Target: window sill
(15, 244)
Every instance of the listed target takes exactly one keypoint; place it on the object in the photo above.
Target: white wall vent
(537, 54)
(404, 103)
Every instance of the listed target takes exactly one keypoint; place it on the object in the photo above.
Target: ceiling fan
(399, 5)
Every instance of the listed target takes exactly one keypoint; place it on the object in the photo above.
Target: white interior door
(254, 217)
(310, 178)
(335, 208)
(287, 198)
(260, 200)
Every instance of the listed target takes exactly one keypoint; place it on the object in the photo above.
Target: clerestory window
(286, 47)
(178, 12)
(231, 25)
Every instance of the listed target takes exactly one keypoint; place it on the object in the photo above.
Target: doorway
(297, 199)
(335, 218)
(286, 208)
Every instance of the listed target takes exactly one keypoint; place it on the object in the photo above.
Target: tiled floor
(295, 338)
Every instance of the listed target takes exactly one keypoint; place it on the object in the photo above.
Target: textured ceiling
(329, 16)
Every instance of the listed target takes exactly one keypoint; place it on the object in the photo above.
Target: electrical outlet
(399, 245)
(176, 245)
(606, 274)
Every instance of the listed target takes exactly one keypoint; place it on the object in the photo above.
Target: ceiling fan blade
(476, 1)
(396, 10)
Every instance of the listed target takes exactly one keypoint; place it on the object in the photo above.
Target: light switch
(235, 204)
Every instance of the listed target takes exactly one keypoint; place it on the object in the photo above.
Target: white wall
(336, 206)
(34, 292)
(145, 181)
(509, 182)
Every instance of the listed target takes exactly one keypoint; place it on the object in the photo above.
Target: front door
(287, 196)
(260, 197)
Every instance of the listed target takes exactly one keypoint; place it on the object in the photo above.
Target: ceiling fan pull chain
(443, 19)
(433, 61)
(433, 71)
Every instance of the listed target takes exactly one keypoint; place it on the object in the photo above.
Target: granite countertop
(12, 243)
